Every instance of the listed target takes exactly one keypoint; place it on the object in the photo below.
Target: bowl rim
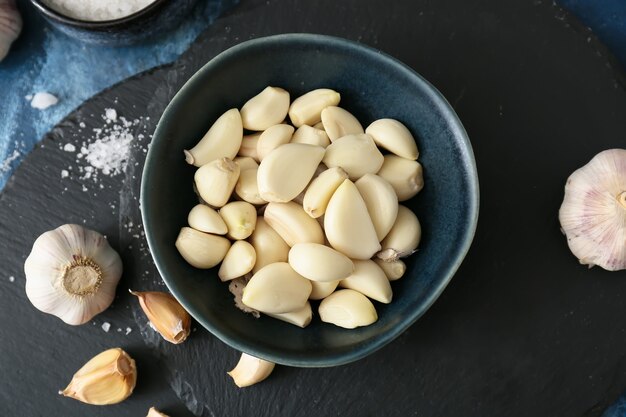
(367, 348)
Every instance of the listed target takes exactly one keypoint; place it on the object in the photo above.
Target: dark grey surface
(521, 330)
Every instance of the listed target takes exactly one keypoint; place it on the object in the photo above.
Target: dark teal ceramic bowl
(372, 86)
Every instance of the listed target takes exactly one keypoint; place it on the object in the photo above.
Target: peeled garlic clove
(347, 309)
(393, 269)
(268, 245)
(356, 154)
(240, 218)
(216, 180)
(277, 288)
(249, 146)
(72, 273)
(392, 135)
(247, 187)
(319, 263)
(292, 223)
(370, 280)
(153, 412)
(339, 122)
(107, 378)
(287, 170)
(245, 163)
(320, 290)
(321, 189)
(205, 219)
(301, 317)
(381, 202)
(307, 109)
(221, 141)
(239, 260)
(201, 250)
(268, 108)
(404, 175)
(348, 225)
(403, 238)
(166, 314)
(310, 136)
(593, 213)
(272, 138)
(250, 371)
(320, 126)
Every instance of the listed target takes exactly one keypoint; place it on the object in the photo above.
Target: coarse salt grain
(11, 278)
(128, 330)
(64, 173)
(69, 147)
(106, 326)
(97, 10)
(110, 114)
(43, 100)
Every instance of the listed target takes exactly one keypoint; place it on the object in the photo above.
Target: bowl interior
(372, 86)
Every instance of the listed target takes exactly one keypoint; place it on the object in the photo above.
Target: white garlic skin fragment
(239, 260)
(307, 109)
(287, 170)
(11, 24)
(246, 162)
(403, 238)
(240, 218)
(319, 263)
(247, 187)
(339, 122)
(404, 175)
(221, 141)
(381, 202)
(250, 371)
(394, 269)
(204, 219)
(216, 181)
(292, 223)
(272, 138)
(268, 108)
(393, 136)
(236, 287)
(301, 317)
(201, 250)
(593, 212)
(321, 189)
(268, 245)
(348, 309)
(72, 272)
(276, 288)
(356, 154)
(249, 146)
(348, 225)
(370, 280)
(310, 136)
(321, 290)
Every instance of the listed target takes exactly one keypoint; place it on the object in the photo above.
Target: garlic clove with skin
(11, 24)
(166, 314)
(250, 370)
(153, 412)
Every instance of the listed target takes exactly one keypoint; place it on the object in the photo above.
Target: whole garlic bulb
(72, 273)
(593, 213)
(10, 25)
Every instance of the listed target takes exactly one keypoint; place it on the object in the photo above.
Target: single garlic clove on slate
(153, 412)
(268, 245)
(247, 187)
(307, 109)
(404, 175)
(338, 122)
(201, 250)
(394, 269)
(249, 146)
(370, 280)
(245, 163)
(392, 135)
(356, 154)
(272, 138)
(221, 141)
(268, 108)
(277, 288)
(287, 170)
(593, 213)
(292, 223)
(216, 180)
(301, 317)
(239, 260)
(166, 314)
(403, 238)
(250, 371)
(347, 309)
(205, 219)
(72, 273)
(321, 290)
(240, 218)
(381, 202)
(11, 24)
(310, 136)
(321, 189)
(319, 263)
(348, 225)
(108, 378)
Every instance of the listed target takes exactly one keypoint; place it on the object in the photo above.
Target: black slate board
(522, 329)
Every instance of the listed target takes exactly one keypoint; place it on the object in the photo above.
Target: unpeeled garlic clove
(268, 245)
(381, 202)
(356, 154)
(392, 135)
(221, 141)
(272, 138)
(370, 280)
(307, 109)
(320, 290)
(404, 175)
(292, 223)
(394, 269)
(310, 136)
(216, 180)
(301, 317)
(403, 238)
(204, 219)
(250, 371)
(107, 378)
(321, 189)
(153, 412)
(339, 122)
(277, 288)
(201, 250)
(348, 225)
(245, 163)
(247, 187)
(319, 263)
(240, 218)
(268, 108)
(239, 260)
(249, 146)
(166, 314)
(347, 309)
(287, 170)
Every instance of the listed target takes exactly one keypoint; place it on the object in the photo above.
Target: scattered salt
(11, 278)
(97, 10)
(43, 100)
(64, 173)
(69, 147)
(6, 164)
(106, 326)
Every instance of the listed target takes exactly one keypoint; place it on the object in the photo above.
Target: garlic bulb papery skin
(10, 26)
(72, 273)
(593, 213)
